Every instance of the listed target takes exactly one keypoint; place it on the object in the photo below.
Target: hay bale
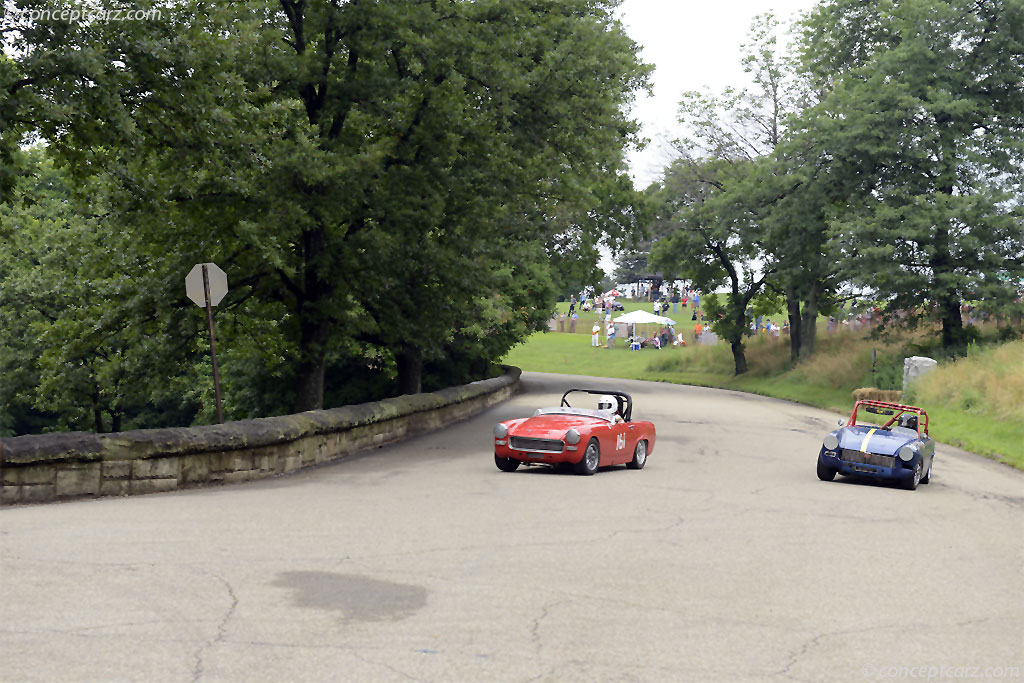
(872, 394)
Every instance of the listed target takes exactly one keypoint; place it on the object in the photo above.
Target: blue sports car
(898, 449)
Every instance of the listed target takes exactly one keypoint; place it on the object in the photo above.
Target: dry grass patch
(988, 381)
(843, 359)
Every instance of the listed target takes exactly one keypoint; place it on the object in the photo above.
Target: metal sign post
(206, 284)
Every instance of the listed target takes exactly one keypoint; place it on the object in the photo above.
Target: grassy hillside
(976, 402)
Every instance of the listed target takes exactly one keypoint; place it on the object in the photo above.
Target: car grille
(850, 455)
(523, 443)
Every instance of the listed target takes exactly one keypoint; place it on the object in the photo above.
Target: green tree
(70, 357)
(716, 196)
(924, 122)
(358, 167)
(715, 241)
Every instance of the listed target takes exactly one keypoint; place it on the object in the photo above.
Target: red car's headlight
(500, 431)
(572, 437)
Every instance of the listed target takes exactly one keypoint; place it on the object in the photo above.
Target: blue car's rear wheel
(591, 459)
(825, 473)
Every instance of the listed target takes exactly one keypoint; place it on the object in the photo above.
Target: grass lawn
(842, 363)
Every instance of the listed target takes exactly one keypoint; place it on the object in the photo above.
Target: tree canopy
(390, 186)
(924, 122)
(886, 155)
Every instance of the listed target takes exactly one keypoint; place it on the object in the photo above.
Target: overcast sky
(691, 45)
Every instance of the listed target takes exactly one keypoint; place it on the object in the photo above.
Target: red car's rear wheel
(639, 456)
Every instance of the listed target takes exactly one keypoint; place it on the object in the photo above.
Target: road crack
(222, 628)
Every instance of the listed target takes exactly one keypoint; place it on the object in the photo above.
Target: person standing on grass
(595, 335)
(610, 333)
(697, 330)
(572, 322)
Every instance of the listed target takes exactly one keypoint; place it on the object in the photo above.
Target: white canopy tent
(643, 318)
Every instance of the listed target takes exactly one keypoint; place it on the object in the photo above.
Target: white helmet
(606, 403)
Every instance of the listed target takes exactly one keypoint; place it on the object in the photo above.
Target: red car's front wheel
(506, 464)
(591, 459)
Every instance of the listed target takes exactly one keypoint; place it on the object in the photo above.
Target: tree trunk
(736, 312)
(315, 325)
(795, 337)
(942, 261)
(309, 380)
(952, 321)
(946, 297)
(410, 369)
(738, 357)
(97, 415)
(809, 323)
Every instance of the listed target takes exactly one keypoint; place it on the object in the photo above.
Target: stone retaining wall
(47, 467)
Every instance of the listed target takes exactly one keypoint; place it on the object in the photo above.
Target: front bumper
(568, 454)
(868, 465)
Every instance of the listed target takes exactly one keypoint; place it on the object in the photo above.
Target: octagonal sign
(218, 284)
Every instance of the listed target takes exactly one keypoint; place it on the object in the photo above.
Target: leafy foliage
(897, 169)
(925, 124)
(396, 191)
(715, 198)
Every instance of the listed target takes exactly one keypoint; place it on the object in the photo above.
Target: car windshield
(583, 412)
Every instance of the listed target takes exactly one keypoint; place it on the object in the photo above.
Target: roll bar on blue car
(891, 406)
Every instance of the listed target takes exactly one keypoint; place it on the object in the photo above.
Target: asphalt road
(725, 559)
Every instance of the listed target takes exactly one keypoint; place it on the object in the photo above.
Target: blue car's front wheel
(915, 477)
(825, 473)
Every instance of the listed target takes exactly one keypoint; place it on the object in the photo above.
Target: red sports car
(586, 438)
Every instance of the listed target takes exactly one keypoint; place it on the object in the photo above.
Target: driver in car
(608, 403)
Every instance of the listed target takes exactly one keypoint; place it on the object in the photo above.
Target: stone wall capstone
(48, 467)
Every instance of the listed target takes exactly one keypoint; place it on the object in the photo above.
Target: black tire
(825, 473)
(590, 460)
(506, 464)
(927, 478)
(639, 456)
(915, 479)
